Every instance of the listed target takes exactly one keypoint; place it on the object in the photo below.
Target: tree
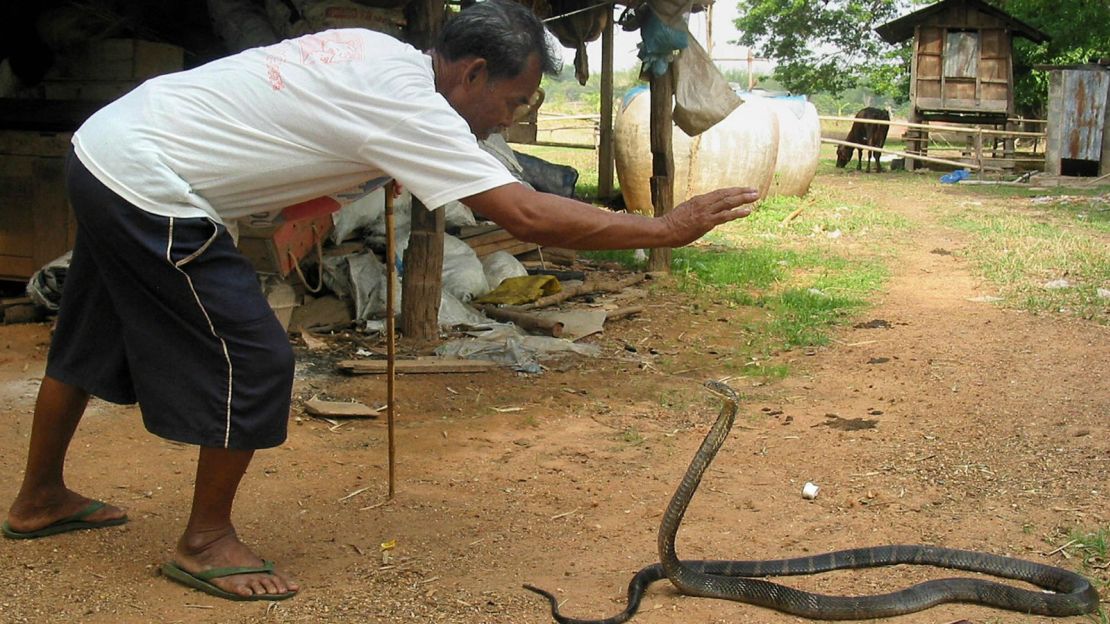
(831, 45)
(827, 46)
(1080, 31)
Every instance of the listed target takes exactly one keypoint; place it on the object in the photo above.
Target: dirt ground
(932, 418)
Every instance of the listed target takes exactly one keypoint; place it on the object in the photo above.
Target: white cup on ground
(809, 490)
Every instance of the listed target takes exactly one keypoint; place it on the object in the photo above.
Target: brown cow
(870, 134)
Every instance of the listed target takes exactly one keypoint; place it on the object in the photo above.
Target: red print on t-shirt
(329, 48)
(325, 48)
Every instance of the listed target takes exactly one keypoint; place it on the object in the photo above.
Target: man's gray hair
(503, 33)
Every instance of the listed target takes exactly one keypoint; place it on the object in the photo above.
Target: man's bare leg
(210, 541)
(44, 498)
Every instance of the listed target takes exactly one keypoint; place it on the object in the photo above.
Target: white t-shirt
(313, 120)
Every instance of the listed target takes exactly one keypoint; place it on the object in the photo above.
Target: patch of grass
(623, 257)
(800, 277)
(1094, 544)
(765, 370)
(1038, 264)
(819, 213)
(1094, 548)
(803, 293)
(632, 436)
(1085, 207)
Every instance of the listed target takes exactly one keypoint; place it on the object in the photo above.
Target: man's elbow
(521, 212)
(531, 231)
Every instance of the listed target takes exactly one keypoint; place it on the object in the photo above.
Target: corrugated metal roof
(902, 28)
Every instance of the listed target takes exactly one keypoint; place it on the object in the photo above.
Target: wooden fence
(973, 147)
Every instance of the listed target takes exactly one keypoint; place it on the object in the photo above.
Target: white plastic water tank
(741, 150)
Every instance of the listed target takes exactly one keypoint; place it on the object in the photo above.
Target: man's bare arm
(553, 220)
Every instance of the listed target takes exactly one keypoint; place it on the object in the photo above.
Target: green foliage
(818, 47)
(563, 93)
(1080, 32)
(831, 46)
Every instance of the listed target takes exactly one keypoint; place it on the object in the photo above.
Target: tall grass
(1056, 259)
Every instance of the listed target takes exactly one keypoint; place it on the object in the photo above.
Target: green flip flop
(76, 522)
(202, 580)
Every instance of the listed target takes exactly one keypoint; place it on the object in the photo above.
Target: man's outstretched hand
(691, 219)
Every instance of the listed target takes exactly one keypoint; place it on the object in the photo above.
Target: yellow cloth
(520, 290)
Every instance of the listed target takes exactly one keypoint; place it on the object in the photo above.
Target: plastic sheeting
(507, 344)
(45, 286)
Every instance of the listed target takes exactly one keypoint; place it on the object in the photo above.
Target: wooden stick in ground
(391, 332)
(793, 215)
(525, 321)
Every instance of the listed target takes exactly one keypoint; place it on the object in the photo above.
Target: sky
(624, 43)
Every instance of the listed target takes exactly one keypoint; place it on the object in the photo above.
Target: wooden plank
(17, 225)
(16, 267)
(339, 409)
(468, 231)
(496, 236)
(513, 247)
(933, 103)
(423, 365)
(53, 234)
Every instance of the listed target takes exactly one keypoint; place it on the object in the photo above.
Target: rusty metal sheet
(1084, 108)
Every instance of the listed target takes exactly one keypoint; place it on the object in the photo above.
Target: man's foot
(197, 554)
(31, 514)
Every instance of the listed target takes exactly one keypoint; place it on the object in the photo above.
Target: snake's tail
(635, 593)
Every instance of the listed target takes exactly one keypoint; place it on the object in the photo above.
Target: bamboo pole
(940, 161)
(934, 127)
(391, 333)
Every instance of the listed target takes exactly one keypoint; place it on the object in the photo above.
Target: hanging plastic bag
(702, 95)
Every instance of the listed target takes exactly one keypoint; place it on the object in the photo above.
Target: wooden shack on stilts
(961, 67)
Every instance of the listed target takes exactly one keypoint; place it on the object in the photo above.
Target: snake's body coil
(1069, 593)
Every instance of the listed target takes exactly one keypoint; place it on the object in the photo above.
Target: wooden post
(662, 159)
(423, 262)
(605, 144)
(423, 278)
(1009, 146)
(979, 151)
(391, 334)
(424, 20)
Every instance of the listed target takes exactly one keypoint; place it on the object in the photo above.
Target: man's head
(489, 61)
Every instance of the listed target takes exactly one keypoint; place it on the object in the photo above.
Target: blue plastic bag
(658, 43)
(955, 176)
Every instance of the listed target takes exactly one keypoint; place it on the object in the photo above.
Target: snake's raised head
(724, 391)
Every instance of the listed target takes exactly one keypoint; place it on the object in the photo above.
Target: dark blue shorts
(166, 312)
